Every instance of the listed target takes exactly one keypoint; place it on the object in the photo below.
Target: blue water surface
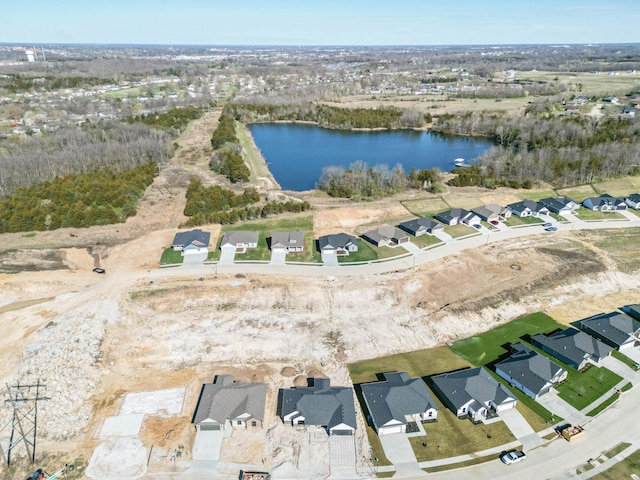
(297, 153)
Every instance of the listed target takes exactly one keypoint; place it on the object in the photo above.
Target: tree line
(97, 197)
(174, 121)
(215, 204)
(362, 181)
(227, 158)
(327, 116)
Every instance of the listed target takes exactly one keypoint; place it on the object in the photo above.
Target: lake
(296, 154)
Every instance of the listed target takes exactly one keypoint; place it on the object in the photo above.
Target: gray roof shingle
(573, 345)
(529, 368)
(471, 384)
(226, 399)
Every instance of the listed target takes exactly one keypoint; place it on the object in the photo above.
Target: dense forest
(97, 197)
(227, 159)
(32, 160)
(215, 204)
(566, 150)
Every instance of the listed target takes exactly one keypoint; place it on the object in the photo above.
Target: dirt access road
(94, 338)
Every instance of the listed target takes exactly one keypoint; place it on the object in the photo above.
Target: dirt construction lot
(92, 338)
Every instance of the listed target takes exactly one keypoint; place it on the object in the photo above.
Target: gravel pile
(63, 356)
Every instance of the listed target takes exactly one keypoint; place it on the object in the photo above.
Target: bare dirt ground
(94, 338)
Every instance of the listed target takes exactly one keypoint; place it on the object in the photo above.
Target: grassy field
(425, 240)
(426, 208)
(514, 221)
(468, 463)
(450, 436)
(366, 252)
(586, 214)
(419, 363)
(457, 231)
(578, 193)
(169, 257)
(536, 194)
(376, 446)
(623, 469)
(487, 347)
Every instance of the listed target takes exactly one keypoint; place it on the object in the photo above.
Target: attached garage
(391, 429)
(209, 426)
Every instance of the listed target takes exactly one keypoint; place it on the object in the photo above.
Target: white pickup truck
(513, 457)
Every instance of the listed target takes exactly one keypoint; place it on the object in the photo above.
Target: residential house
(472, 393)
(239, 241)
(193, 242)
(492, 212)
(319, 404)
(628, 111)
(559, 205)
(338, 244)
(633, 201)
(421, 226)
(528, 371)
(616, 329)
(226, 402)
(572, 347)
(457, 216)
(397, 400)
(632, 310)
(604, 203)
(290, 242)
(528, 208)
(386, 236)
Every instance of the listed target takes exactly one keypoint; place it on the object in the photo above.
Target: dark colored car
(99, 270)
(550, 229)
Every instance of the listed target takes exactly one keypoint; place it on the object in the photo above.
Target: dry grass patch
(578, 193)
(426, 208)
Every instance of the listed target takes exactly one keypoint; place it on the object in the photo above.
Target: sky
(320, 22)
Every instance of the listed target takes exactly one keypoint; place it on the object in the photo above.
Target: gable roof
(336, 240)
(454, 213)
(226, 399)
(633, 310)
(195, 237)
(320, 403)
(615, 327)
(529, 368)
(488, 211)
(239, 237)
(634, 197)
(420, 223)
(604, 199)
(287, 239)
(473, 384)
(385, 233)
(557, 204)
(396, 397)
(524, 204)
(574, 345)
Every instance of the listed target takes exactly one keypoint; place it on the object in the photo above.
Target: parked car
(551, 229)
(513, 457)
(546, 225)
(99, 270)
(477, 226)
(494, 222)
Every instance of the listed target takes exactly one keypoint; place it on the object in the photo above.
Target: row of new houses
(342, 244)
(391, 403)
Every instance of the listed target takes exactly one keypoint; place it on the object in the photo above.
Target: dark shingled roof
(529, 368)
(337, 240)
(396, 397)
(471, 384)
(196, 237)
(615, 327)
(412, 226)
(320, 403)
(574, 345)
(227, 399)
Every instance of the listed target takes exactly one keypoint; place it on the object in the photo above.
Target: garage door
(205, 427)
(342, 432)
(388, 430)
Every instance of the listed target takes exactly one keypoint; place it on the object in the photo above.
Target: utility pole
(23, 400)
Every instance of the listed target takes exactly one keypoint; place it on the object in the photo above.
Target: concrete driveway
(521, 429)
(443, 236)
(227, 255)
(399, 452)
(194, 258)
(278, 258)
(329, 259)
(410, 247)
(207, 445)
(559, 407)
(633, 353)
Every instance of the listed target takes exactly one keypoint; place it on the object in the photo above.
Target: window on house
(254, 424)
(239, 422)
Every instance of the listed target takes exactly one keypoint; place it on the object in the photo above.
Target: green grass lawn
(623, 469)
(468, 463)
(426, 208)
(170, 257)
(419, 363)
(450, 436)
(583, 388)
(487, 347)
(376, 446)
(586, 214)
(425, 241)
(277, 224)
(578, 194)
(515, 221)
(457, 231)
(626, 360)
(367, 252)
